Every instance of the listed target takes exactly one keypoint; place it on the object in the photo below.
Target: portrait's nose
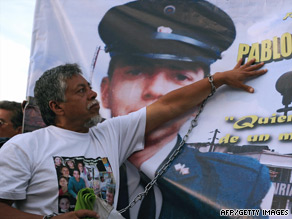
(155, 86)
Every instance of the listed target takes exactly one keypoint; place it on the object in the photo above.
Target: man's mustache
(92, 103)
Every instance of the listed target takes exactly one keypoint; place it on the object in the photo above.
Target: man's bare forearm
(6, 211)
(176, 103)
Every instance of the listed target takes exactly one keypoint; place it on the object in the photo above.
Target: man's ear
(56, 107)
(104, 88)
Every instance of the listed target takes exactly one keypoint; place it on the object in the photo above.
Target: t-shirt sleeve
(15, 172)
(127, 133)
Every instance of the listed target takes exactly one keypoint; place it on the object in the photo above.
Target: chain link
(141, 195)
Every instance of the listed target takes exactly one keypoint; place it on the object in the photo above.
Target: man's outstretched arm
(186, 98)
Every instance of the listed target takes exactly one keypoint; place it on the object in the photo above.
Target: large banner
(238, 160)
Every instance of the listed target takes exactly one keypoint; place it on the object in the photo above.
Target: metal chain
(194, 123)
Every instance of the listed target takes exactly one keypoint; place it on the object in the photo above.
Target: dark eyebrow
(80, 85)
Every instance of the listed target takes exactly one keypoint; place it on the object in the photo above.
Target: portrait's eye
(134, 72)
(181, 77)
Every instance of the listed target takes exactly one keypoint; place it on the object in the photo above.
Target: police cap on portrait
(179, 30)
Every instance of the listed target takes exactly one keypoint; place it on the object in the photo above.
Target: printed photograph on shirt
(76, 173)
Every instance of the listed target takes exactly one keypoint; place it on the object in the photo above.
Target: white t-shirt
(28, 172)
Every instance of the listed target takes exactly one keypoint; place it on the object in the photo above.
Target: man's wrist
(218, 79)
(213, 88)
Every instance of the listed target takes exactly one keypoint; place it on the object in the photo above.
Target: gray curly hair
(51, 86)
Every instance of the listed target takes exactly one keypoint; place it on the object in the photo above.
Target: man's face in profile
(138, 83)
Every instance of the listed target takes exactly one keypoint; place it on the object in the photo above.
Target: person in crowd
(75, 183)
(63, 184)
(83, 172)
(71, 112)
(71, 165)
(58, 164)
(65, 172)
(102, 185)
(64, 204)
(110, 195)
(32, 119)
(11, 117)
(172, 47)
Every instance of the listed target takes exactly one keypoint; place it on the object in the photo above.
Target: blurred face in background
(65, 172)
(58, 161)
(64, 204)
(6, 126)
(63, 182)
(76, 175)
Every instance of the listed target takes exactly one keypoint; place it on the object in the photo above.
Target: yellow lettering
(289, 119)
(263, 120)
(234, 139)
(254, 52)
(228, 139)
(247, 122)
(288, 15)
(286, 45)
(266, 51)
(252, 121)
(252, 138)
(243, 50)
(265, 137)
(256, 138)
(285, 137)
(282, 119)
(276, 48)
(273, 118)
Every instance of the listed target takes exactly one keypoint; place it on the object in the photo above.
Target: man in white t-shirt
(69, 107)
